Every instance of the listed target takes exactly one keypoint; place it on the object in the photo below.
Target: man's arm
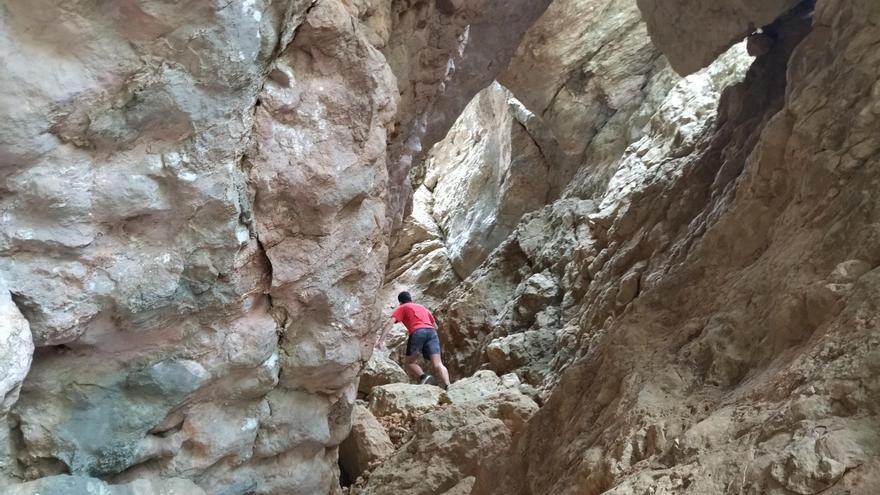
(388, 326)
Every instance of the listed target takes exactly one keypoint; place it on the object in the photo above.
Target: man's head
(404, 297)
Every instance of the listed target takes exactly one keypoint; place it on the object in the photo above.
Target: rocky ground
(420, 439)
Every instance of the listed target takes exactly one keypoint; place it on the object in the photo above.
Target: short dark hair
(404, 297)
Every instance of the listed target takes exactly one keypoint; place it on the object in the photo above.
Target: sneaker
(425, 379)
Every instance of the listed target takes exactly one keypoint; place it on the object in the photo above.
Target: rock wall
(196, 199)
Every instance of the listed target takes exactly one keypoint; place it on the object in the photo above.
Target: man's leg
(411, 366)
(432, 352)
(410, 363)
(439, 369)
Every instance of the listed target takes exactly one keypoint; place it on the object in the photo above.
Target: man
(422, 329)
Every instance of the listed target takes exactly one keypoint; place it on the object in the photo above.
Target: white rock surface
(16, 351)
(81, 485)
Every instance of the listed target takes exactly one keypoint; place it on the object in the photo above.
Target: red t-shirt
(414, 316)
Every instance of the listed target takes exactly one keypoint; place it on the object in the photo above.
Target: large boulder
(366, 444)
(531, 348)
(404, 398)
(692, 33)
(381, 369)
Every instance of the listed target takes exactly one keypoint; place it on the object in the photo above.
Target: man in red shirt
(422, 329)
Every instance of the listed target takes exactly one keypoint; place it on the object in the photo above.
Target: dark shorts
(423, 340)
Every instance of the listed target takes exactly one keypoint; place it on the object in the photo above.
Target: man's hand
(380, 342)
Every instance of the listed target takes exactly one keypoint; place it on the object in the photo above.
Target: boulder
(16, 350)
(448, 445)
(404, 398)
(380, 370)
(367, 443)
(532, 347)
(453, 442)
(535, 293)
(475, 389)
(497, 397)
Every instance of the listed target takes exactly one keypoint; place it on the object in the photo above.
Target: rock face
(203, 219)
(81, 485)
(196, 205)
(484, 175)
(16, 351)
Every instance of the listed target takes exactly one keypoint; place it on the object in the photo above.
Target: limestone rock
(16, 351)
(419, 262)
(404, 398)
(498, 397)
(591, 77)
(367, 443)
(475, 389)
(295, 419)
(80, 485)
(692, 33)
(529, 349)
(484, 175)
(380, 370)
(807, 471)
(197, 203)
(449, 445)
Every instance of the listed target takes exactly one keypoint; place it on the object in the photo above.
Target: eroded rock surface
(198, 201)
(80, 485)
(16, 351)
